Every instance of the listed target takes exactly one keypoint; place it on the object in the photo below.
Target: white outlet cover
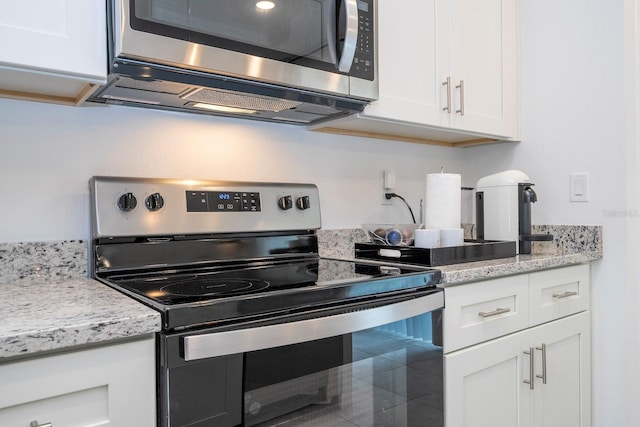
(579, 187)
(389, 179)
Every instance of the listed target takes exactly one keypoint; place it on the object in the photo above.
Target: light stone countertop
(46, 304)
(39, 316)
(572, 244)
(457, 274)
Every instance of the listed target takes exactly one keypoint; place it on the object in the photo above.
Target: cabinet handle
(531, 368)
(565, 295)
(447, 83)
(461, 87)
(494, 313)
(35, 424)
(543, 377)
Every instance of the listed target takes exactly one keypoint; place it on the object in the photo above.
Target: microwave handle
(350, 36)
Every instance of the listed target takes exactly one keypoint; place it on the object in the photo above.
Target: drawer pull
(565, 295)
(496, 312)
(35, 424)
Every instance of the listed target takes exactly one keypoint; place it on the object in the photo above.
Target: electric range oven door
(379, 364)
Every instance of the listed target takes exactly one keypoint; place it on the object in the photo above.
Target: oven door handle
(215, 344)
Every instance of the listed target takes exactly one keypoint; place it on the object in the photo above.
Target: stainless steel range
(257, 329)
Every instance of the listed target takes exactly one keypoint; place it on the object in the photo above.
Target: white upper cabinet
(52, 50)
(483, 58)
(411, 61)
(447, 73)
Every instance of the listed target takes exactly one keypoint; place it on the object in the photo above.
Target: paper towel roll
(443, 200)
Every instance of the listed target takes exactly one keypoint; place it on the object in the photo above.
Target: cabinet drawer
(482, 311)
(112, 385)
(558, 293)
(89, 407)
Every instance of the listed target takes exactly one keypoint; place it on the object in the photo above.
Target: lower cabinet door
(565, 399)
(484, 384)
(113, 385)
(489, 384)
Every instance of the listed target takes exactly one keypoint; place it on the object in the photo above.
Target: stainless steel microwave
(298, 61)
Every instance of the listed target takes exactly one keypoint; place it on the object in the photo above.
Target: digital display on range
(223, 201)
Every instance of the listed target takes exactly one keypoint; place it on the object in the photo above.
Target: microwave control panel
(363, 61)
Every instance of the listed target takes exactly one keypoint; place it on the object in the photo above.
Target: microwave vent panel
(240, 100)
(153, 86)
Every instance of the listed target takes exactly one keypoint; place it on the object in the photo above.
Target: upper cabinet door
(52, 49)
(483, 60)
(413, 58)
(447, 73)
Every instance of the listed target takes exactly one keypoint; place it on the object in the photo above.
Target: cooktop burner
(214, 287)
(202, 284)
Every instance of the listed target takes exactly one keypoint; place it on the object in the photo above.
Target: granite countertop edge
(45, 316)
(458, 274)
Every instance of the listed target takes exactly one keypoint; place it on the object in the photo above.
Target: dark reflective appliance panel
(291, 30)
(391, 375)
(202, 284)
(386, 376)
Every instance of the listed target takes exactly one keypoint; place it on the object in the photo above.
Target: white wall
(48, 153)
(632, 279)
(573, 120)
(574, 112)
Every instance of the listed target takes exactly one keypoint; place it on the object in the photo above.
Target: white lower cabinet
(565, 399)
(538, 376)
(112, 385)
(484, 384)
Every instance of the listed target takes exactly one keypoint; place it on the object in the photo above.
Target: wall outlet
(579, 187)
(388, 185)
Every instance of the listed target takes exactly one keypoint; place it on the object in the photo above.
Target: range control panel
(163, 207)
(223, 201)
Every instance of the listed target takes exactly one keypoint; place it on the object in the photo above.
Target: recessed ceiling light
(265, 5)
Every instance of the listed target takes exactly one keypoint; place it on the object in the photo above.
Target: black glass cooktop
(241, 290)
(175, 286)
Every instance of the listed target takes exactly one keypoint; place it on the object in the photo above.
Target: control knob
(127, 202)
(303, 203)
(154, 202)
(285, 202)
